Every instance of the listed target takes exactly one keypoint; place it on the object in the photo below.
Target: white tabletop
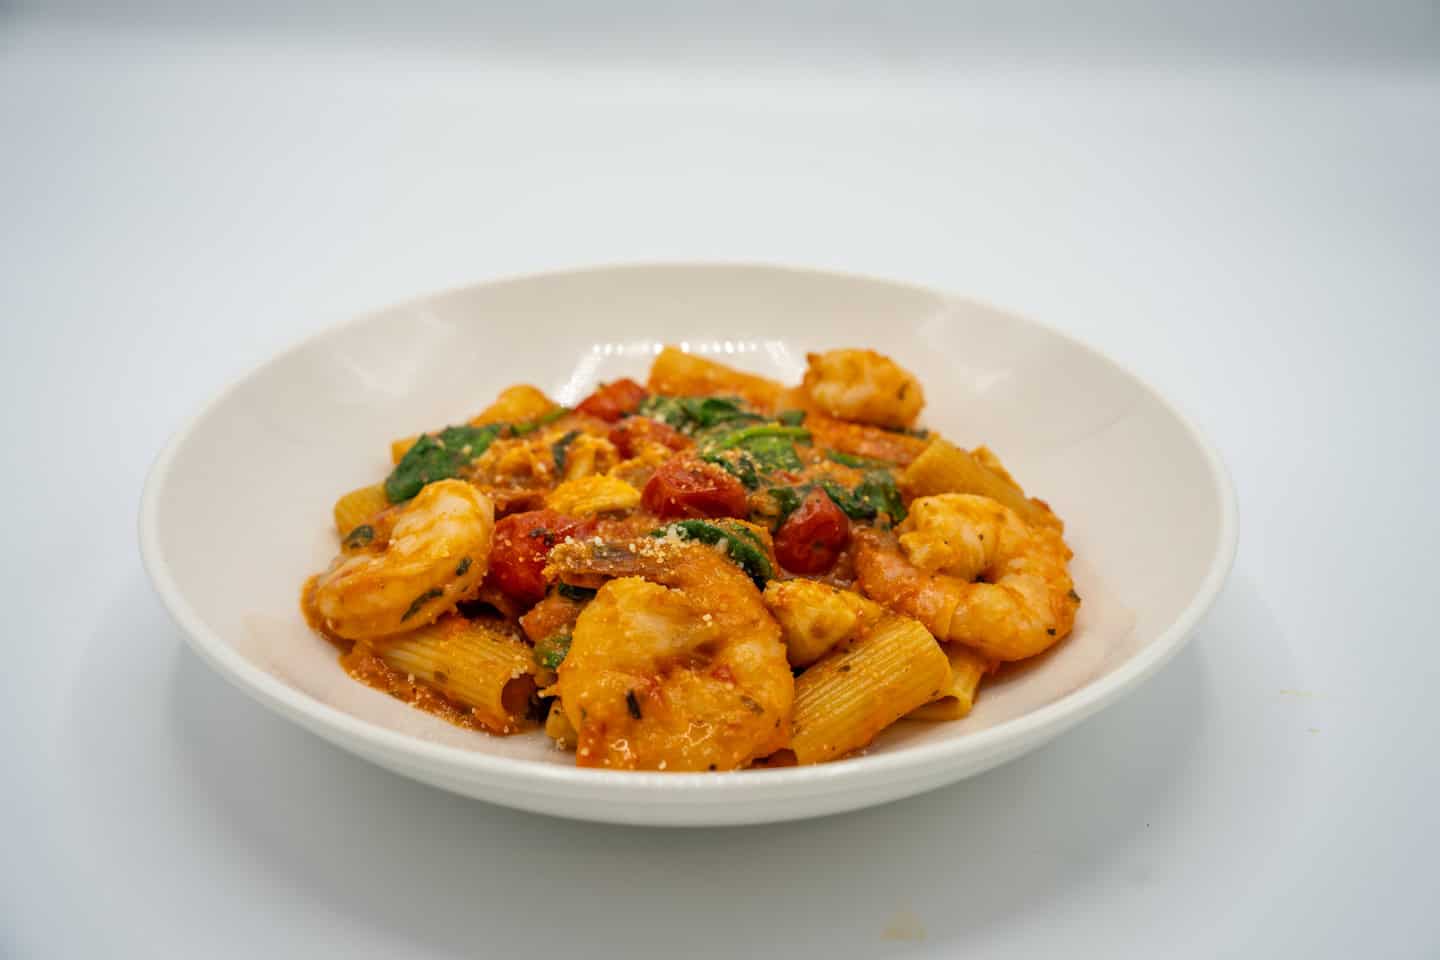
(1245, 214)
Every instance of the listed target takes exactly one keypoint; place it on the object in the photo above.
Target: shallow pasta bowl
(236, 510)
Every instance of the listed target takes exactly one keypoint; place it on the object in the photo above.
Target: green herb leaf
(359, 537)
(462, 567)
(878, 490)
(750, 451)
(738, 464)
(791, 418)
(862, 463)
(633, 705)
(689, 414)
(773, 453)
(665, 409)
(550, 652)
(420, 601)
(748, 435)
(437, 457)
(549, 417)
(742, 546)
(852, 506)
(874, 496)
(577, 594)
(560, 448)
(788, 500)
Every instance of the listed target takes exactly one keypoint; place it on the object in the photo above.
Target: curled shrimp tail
(973, 573)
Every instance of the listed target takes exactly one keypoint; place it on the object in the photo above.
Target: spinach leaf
(738, 464)
(851, 505)
(689, 414)
(742, 546)
(577, 594)
(420, 601)
(874, 496)
(765, 431)
(773, 453)
(710, 411)
(878, 489)
(770, 446)
(788, 500)
(530, 426)
(851, 460)
(437, 457)
(665, 409)
(550, 652)
(560, 448)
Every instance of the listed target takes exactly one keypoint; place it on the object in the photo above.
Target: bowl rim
(328, 721)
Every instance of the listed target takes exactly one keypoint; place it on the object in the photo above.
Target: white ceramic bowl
(236, 512)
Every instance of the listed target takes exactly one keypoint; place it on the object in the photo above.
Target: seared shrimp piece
(815, 618)
(425, 557)
(676, 665)
(863, 386)
(973, 572)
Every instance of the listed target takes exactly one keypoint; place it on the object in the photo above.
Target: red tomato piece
(522, 544)
(683, 487)
(811, 538)
(631, 434)
(613, 400)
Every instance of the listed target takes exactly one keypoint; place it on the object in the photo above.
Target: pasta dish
(710, 571)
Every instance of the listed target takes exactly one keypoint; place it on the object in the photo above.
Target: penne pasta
(843, 701)
(957, 697)
(945, 468)
(359, 507)
(685, 374)
(517, 404)
(471, 664)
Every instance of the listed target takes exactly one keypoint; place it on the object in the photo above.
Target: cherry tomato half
(683, 487)
(811, 538)
(521, 546)
(613, 400)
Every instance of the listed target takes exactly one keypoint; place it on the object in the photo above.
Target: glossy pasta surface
(705, 572)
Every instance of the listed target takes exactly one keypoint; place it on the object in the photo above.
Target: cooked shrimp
(1024, 601)
(426, 556)
(677, 665)
(863, 386)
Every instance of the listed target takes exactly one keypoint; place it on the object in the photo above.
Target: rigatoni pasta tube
(474, 665)
(676, 372)
(843, 701)
(945, 468)
(967, 669)
(516, 404)
(358, 507)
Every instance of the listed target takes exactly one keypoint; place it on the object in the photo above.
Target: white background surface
(1242, 208)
